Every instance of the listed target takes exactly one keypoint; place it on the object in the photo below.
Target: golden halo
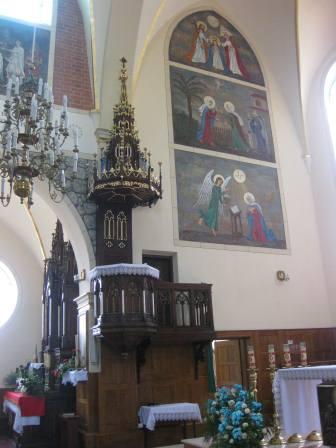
(210, 102)
(218, 176)
(215, 39)
(229, 107)
(223, 30)
(201, 23)
(249, 198)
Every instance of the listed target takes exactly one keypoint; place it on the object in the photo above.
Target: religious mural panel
(206, 40)
(226, 201)
(22, 48)
(224, 116)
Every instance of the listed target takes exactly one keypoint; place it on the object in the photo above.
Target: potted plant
(234, 419)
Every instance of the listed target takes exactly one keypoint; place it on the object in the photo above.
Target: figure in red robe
(208, 114)
(257, 229)
(233, 60)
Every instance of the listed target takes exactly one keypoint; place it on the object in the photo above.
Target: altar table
(295, 393)
(26, 408)
(74, 376)
(149, 415)
(175, 412)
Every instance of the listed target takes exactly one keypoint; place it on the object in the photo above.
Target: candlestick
(287, 356)
(277, 438)
(271, 356)
(303, 354)
(251, 357)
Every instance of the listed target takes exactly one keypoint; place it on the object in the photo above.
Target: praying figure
(257, 229)
(207, 114)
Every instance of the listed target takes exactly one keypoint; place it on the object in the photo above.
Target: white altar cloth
(74, 376)
(19, 421)
(149, 415)
(296, 400)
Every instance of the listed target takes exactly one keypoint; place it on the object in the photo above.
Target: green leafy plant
(30, 384)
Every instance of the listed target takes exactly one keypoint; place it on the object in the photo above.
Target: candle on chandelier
(303, 354)
(3, 180)
(17, 85)
(51, 114)
(75, 162)
(63, 178)
(65, 103)
(9, 88)
(76, 136)
(15, 135)
(8, 141)
(33, 108)
(45, 91)
(251, 357)
(287, 356)
(271, 356)
(52, 157)
(40, 87)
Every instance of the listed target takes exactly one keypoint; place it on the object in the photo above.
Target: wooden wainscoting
(321, 349)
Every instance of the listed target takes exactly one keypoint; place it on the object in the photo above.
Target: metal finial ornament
(124, 172)
(123, 78)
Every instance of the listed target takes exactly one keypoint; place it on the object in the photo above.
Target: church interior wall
(22, 333)
(244, 276)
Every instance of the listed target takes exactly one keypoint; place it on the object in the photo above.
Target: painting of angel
(228, 201)
(211, 193)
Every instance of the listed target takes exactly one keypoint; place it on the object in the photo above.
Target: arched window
(38, 12)
(330, 101)
(8, 294)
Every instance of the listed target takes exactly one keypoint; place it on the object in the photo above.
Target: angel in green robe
(212, 193)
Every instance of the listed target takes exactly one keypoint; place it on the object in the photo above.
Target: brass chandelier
(32, 142)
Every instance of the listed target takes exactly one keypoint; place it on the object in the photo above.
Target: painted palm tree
(191, 88)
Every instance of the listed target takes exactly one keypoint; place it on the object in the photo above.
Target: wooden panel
(228, 365)
(321, 348)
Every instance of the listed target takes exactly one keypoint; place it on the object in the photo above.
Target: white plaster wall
(317, 41)
(246, 294)
(20, 334)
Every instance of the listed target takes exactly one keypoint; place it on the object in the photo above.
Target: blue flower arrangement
(234, 419)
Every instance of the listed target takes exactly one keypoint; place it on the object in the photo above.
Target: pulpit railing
(183, 305)
(131, 299)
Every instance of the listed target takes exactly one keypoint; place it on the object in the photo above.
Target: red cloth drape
(28, 404)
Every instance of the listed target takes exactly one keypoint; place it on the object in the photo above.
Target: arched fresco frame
(195, 165)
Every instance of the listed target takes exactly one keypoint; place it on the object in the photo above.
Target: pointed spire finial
(123, 78)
